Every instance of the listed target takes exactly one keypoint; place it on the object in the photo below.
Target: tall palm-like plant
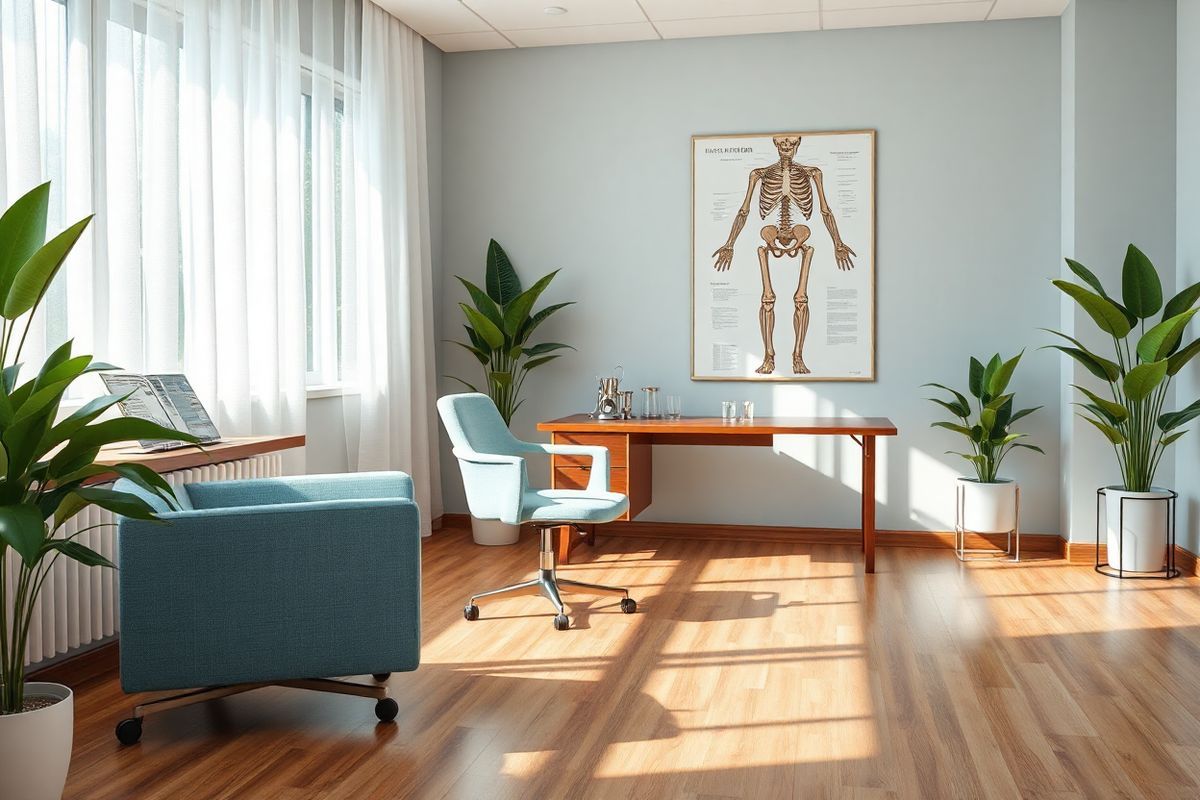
(1131, 418)
(499, 324)
(48, 463)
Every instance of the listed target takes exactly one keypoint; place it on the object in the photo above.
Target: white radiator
(78, 604)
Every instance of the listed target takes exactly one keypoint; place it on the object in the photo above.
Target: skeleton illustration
(782, 185)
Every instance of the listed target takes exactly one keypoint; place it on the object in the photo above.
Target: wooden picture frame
(779, 184)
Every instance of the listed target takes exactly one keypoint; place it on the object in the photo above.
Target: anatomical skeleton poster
(783, 256)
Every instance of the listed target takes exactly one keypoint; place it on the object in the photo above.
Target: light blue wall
(1187, 456)
(578, 158)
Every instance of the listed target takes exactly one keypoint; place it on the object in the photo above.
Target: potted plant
(989, 502)
(500, 321)
(45, 467)
(1131, 417)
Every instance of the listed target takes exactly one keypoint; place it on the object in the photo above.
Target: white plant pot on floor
(35, 746)
(1144, 545)
(493, 532)
(988, 507)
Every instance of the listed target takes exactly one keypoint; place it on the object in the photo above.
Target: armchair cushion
(249, 593)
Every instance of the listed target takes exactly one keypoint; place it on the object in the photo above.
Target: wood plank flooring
(752, 670)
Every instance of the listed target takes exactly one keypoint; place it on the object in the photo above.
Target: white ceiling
(455, 25)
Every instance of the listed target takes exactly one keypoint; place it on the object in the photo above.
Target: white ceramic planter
(493, 532)
(988, 507)
(35, 747)
(1144, 545)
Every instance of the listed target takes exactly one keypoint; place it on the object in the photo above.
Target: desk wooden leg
(868, 502)
(562, 544)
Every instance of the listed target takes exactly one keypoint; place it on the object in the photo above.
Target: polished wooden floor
(752, 670)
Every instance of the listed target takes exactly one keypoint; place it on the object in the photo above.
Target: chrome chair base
(550, 586)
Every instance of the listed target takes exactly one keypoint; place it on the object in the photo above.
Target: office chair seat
(573, 505)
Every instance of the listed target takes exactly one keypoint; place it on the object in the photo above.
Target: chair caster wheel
(387, 709)
(562, 622)
(129, 731)
(381, 676)
(471, 612)
(628, 605)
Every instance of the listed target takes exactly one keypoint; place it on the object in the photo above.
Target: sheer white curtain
(258, 173)
(388, 333)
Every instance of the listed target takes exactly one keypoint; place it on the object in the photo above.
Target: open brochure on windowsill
(168, 400)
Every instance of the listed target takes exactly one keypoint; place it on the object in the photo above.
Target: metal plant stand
(1168, 570)
(1012, 548)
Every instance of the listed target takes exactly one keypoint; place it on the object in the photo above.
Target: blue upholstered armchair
(288, 581)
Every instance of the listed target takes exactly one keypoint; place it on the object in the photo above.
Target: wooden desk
(629, 444)
(233, 448)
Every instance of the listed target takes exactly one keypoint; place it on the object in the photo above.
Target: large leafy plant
(500, 321)
(987, 423)
(47, 464)
(1131, 417)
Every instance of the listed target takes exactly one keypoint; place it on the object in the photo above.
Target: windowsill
(318, 391)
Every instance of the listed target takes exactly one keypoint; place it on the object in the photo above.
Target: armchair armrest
(499, 483)
(598, 477)
(300, 489)
(258, 593)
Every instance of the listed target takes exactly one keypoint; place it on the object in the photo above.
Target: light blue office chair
(497, 486)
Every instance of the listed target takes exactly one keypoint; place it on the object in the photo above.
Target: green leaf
(1179, 359)
(1102, 310)
(464, 383)
(483, 326)
(500, 379)
(1116, 411)
(31, 280)
(962, 411)
(122, 429)
(958, 396)
(975, 378)
(1110, 433)
(69, 505)
(502, 282)
(1140, 287)
(1162, 340)
(1024, 412)
(1003, 374)
(973, 458)
(483, 304)
(950, 426)
(23, 529)
(985, 382)
(22, 232)
(537, 362)
(538, 319)
(1009, 439)
(1144, 379)
(150, 480)
(545, 347)
(1087, 276)
(1032, 447)
(516, 314)
(1182, 301)
(82, 416)
(81, 553)
(987, 419)
(1101, 414)
(1102, 368)
(1174, 419)
(123, 503)
(1167, 441)
(479, 354)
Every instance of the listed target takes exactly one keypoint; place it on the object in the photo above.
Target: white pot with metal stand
(987, 508)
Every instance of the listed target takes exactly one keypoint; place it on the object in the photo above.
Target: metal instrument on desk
(610, 400)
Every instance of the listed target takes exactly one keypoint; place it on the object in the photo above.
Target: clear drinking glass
(674, 406)
(728, 410)
(748, 410)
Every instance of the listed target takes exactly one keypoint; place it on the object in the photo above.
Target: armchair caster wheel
(471, 612)
(562, 622)
(129, 731)
(628, 605)
(387, 709)
(381, 676)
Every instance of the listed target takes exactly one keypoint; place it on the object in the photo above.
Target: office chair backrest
(473, 422)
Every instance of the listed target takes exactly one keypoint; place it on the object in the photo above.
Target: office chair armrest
(598, 478)
(505, 481)
(301, 489)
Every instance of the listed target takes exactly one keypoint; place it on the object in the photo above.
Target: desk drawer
(617, 444)
(570, 476)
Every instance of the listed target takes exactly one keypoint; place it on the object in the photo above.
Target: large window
(323, 271)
